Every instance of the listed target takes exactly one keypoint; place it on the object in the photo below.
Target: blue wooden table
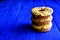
(15, 20)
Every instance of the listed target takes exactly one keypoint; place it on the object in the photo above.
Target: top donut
(42, 11)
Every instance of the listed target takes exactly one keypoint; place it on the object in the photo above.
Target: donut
(39, 16)
(43, 28)
(43, 11)
(42, 19)
(40, 23)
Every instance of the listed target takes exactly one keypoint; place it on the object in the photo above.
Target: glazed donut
(43, 11)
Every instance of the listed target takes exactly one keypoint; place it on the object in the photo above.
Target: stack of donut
(42, 18)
